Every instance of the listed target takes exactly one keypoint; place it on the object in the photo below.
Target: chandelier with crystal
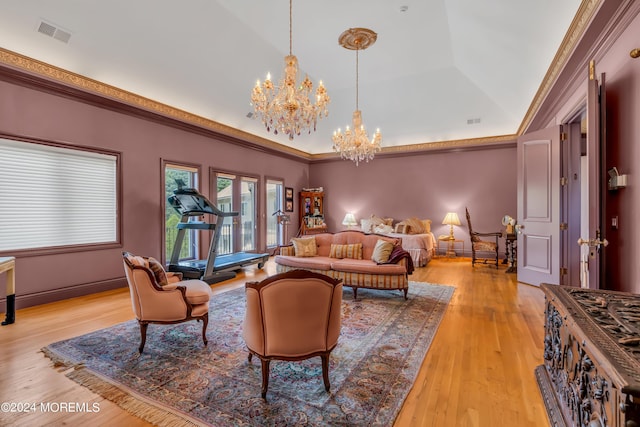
(354, 143)
(287, 107)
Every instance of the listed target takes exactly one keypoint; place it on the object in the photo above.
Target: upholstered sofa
(348, 256)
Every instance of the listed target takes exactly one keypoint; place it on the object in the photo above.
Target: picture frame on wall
(288, 199)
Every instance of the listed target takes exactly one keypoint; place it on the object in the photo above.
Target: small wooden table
(450, 245)
(8, 264)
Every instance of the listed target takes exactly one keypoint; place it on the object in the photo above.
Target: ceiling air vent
(51, 30)
(473, 121)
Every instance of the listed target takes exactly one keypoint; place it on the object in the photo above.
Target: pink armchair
(293, 316)
(165, 299)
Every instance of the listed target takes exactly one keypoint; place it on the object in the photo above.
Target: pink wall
(424, 185)
(143, 143)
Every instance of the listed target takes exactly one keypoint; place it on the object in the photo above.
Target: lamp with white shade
(451, 219)
(349, 220)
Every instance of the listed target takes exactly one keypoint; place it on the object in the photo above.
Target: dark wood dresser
(591, 371)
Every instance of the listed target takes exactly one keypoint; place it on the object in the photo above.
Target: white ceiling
(434, 67)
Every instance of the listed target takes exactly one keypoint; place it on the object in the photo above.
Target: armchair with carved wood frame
(479, 245)
(163, 298)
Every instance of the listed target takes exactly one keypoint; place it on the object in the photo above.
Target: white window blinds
(53, 196)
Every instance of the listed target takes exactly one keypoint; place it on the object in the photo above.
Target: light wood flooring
(478, 371)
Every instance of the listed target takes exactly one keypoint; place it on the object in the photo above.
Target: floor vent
(51, 30)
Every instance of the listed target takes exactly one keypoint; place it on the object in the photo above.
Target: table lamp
(349, 220)
(451, 219)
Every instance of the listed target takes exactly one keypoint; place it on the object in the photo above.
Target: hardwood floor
(478, 371)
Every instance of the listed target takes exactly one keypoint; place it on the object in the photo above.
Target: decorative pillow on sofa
(365, 225)
(352, 251)
(305, 246)
(382, 251)
(158, 271)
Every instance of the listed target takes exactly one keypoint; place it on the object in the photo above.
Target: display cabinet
(312, 212)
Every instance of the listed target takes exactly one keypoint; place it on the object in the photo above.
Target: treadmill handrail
(190, 202)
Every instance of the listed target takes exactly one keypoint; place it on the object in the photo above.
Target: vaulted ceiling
(440, 70)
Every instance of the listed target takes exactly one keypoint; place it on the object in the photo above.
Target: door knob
(519, 228)
(593, 242)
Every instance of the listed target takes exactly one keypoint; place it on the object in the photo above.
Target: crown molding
(33, 67)
(500, 141)
(580, 22)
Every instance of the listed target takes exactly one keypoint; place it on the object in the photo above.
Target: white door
(538, 157)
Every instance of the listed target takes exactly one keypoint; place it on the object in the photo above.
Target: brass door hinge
(564, 226)
(563, 271)
(563, 181)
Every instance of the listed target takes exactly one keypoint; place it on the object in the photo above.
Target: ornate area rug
(178, 381)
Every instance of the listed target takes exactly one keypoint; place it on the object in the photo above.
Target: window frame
(163, 203)
(82, 247)
(279, 227)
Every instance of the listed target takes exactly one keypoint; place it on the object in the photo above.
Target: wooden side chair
(479, 245)
(160, 297)
(293, 316)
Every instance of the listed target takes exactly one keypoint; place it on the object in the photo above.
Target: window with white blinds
(52, 196)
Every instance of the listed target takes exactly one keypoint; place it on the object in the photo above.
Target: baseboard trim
(44, 297)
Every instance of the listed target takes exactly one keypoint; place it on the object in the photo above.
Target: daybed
(415, 235)
(348, 256)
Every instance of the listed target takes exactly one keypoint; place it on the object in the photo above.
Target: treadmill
(188, 202)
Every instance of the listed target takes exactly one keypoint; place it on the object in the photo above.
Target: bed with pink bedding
(421, 247)
(415, 234)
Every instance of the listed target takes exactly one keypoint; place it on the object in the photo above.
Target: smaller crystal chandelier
(287, 108)
(354, 144)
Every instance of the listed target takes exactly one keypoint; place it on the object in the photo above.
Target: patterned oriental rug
(178, 381)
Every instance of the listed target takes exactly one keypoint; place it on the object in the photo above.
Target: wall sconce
(349, 220)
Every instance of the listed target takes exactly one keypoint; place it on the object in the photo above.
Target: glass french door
(274, 196)
(237, 194)
(188, 176)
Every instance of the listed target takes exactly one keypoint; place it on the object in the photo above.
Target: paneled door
(538, 227)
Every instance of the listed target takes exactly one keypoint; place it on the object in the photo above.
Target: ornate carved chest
(591, 371)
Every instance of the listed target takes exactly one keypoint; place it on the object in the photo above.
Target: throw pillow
(352, 251)
(158, 271)
(401, 228)
(415, 225)
(383, 229)
(305, 246)
(426, 223)
(382, 251)
(365, 225)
